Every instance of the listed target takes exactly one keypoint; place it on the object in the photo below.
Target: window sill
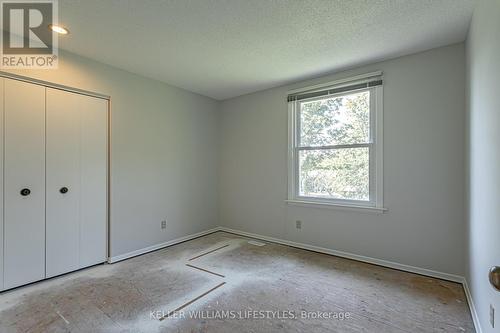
(327, 205)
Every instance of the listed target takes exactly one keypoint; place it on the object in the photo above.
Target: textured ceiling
(226, 48)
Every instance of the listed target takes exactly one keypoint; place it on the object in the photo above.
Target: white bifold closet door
(24, 183)
(76, 181)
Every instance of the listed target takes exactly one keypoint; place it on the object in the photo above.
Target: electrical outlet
(492, 316)
(298, 224)
(164, 224)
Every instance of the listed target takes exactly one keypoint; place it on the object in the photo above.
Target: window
(335, 149)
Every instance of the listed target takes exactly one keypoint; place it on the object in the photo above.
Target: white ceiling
(226, 48)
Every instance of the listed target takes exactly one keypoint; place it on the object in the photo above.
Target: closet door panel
(24, 168)
(93, 228)
(76, 160)
(63, 181)
(1, 181)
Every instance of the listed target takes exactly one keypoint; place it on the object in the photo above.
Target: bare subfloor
(238, 287)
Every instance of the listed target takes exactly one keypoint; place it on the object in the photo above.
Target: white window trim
(376, 158)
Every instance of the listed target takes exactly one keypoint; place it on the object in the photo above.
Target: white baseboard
(370, 260)
(473, 312)
(159, 246)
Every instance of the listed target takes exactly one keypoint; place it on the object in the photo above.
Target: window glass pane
(335, 121)
(335, 173)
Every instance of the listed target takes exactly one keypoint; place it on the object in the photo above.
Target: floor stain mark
(60, 315)
(256, 243)
(204, 270)
(192, 301)
(208, 252)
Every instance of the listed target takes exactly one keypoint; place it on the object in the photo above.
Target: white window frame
(375, 202)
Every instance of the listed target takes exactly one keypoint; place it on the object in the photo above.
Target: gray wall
(163, 161)
(423, 168)
(483, 124)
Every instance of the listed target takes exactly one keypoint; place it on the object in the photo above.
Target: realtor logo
(27, 41)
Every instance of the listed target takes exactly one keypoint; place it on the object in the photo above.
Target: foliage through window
(334, 147)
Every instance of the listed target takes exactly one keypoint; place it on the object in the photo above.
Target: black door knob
(64, 190)
(25, 192)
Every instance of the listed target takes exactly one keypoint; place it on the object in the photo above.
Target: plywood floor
(270, 288)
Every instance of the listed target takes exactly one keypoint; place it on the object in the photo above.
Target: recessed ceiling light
(59, 29)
